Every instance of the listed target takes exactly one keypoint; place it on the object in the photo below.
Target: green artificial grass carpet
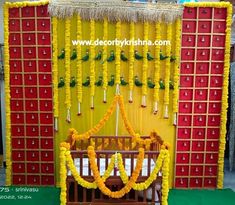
(201, 197)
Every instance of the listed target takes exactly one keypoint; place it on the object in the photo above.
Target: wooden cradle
(105, 147)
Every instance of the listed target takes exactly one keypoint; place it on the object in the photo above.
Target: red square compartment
(203, 41)
(190, 13)
(30, 79)
(17, 118)
(204, 27)
(199, 133)
(189, 26)
(17, 105)
(17, 143)
(187, 54)
(28, 11)
(205, 13)
(45, 79)
(198, 146)
(44, 39)
(186, 81)
(18, 179)
(15, 52)
(32, 118)
(211, 158)
(219, 27)
(181, 182)
(200, 94)
(32, 143)
(48, 180)
(199, 120)
(196, 170)
(47, 143)
(14, 25)
(47, 168)
(185, 107)
(186, 94)
(46, 131)
(32, 168)
(45, 92)
(182, 158)
(28, 25)
(200, 107)
(188, 40)
(182, 170)
(16, 92)
(17, 130)
(18, 167)
(218, 54)
(32, 131)
(33, 179)
(210, 182)
(31, 105)
(184, 133)
(14, 39)
(30, 92)
(218, 41)
(46, 118)
(29, 39)
(213, 133)
(203, 54)
(183, 145)
(29, 52)
(42, 11)
(213, 120)
(216, 81)
(47, 155)
(201, 81)
(195, 182)
(216, 94)
(45, 105)
(184, 120)
(44, 65)
(215, 107)
(187, 68)
(14, 13)
(197, 158)
(44, 24)
(44, 52)
(18, 155)
(16, 79)
(217, 68)
(210, 170)
(212, 146)
(30, 66)
(220, 13)
(15, 66)
(32, 156)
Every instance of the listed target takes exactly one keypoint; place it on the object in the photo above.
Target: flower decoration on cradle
(138, 56)
(138, 83)
(62, 54)
(123, 57)
(86, 56)
(98, 57)
(150, 83)
(171, 84)
(73, 82)
(162, 85)
(163, 57)
(99, 82)
(87, 82)
(112, 81)
(74, 54)
(123, 82)
(61, 82)
(111, 58)
(172, 58)
(149, 56)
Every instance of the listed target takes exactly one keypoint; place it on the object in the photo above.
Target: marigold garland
(92, 64)
(67, 68)
(167, 73)
(118, 52)
(7, 95)
(145, 64)
(105, 64)
(131, 62)
(55, 72)
(176, 68)
(63, 175)
(26, 3)
(157, 68)
(79, 64)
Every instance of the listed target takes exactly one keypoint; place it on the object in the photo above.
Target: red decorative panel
(31, 103)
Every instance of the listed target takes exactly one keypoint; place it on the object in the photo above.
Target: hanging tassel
(105, 96)
(68, 119)
(131, 96)
(175, 119)
(155, 108)
(79, 108)
(166, 116)
(143, 104)
(56, 124)
(92, 102)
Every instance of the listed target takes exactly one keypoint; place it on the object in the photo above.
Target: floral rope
(26, 3)
(67, 69)
(157, 69)
(63, 176)
(79, 64)
(118, 52)
(131, 62)
(55, 73)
